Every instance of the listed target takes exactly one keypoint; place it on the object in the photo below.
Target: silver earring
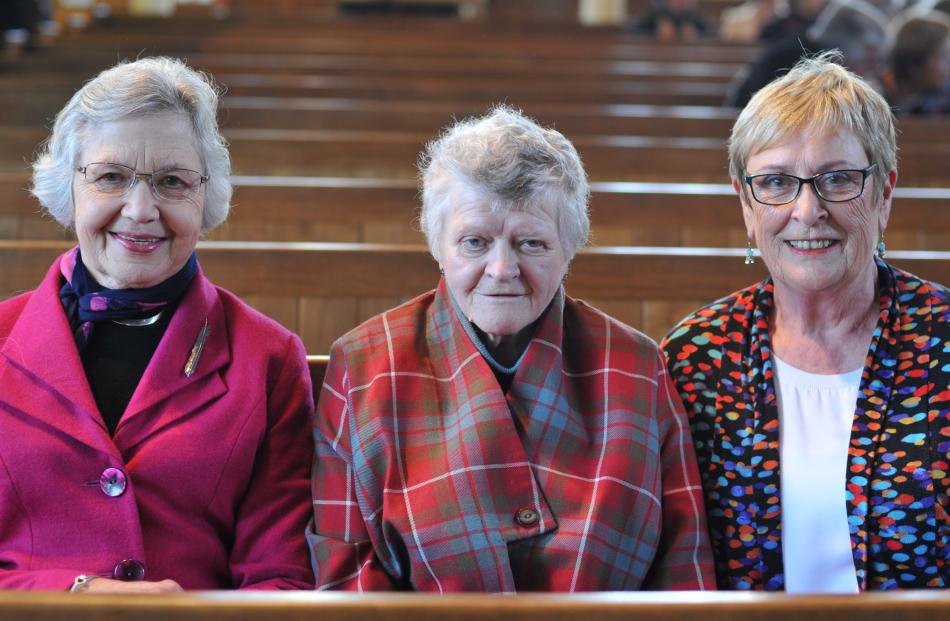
(881, 247)
(749, 255)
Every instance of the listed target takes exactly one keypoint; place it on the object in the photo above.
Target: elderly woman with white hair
(154, 426)
(494, 434)
(818, 398)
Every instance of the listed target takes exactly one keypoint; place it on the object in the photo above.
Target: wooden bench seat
(410, 37)
(426, 116)
(384, 211)
(680, 121)
(306, 606)
(517, 90)
(321, 290)
(392, 154)
(438, 65)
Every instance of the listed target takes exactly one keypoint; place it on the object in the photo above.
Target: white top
(815, 414)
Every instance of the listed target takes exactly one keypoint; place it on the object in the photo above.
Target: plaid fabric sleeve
(684, 557)
(341, 549)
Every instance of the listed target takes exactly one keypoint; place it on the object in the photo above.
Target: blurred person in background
(854, 27)
(918, 60)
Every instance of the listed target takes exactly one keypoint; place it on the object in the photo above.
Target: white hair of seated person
(515, 164)
(134, 89)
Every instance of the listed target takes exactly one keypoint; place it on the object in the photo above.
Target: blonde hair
(817, 95)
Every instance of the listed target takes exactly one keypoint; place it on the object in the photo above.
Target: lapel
(867, 431)
(536, 396)
(164, 382)
(474, 394)
(45, 379)
(748, 484)
(44, 376)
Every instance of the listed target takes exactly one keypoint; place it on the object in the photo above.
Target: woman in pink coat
(155, 428)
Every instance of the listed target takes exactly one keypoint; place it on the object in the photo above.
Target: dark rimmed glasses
(171, 184)
(834, 186)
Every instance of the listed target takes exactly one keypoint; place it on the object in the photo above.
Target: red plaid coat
(428, 477)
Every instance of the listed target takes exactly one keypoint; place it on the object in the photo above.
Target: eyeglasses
(171, 184)
(835, 186)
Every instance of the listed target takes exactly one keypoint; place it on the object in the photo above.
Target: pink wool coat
(215, 466)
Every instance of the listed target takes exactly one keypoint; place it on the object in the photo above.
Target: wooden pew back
(321, 290)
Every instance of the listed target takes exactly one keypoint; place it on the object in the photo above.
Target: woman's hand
(107, 585)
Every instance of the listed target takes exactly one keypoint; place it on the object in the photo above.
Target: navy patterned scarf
(86, 301)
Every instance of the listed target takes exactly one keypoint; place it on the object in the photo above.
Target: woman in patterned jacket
(494, 434)
(818, 398)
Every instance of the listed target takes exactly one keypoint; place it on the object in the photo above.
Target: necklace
(138, 323)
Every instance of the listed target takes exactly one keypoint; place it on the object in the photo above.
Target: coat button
(129, 570)
(527, 517)
(112, 482)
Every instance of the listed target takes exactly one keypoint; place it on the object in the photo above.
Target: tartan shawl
(423, 464)
(897, 482)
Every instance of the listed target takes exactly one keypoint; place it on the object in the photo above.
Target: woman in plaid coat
(494, 434)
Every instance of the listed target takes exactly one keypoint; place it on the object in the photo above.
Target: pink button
(112, 482)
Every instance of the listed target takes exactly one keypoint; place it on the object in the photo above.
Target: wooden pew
(384, 211)
(429, 117)
(343, 58)
(517, 89)
(441, 63)
(321, 290)
(410, 37)
(679, 121)
(317, 363)
(306, 606)
(393, 154)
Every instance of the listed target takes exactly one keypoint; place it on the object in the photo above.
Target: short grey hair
(816, 95)
(130, 89)
(515, 164)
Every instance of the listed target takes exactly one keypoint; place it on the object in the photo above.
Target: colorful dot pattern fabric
(897, 483)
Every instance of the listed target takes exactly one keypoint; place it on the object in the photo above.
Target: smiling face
(503, 269)
(810, 244)
(136, 240)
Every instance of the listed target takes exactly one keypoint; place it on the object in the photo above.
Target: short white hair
(515, 164)
(131, 89)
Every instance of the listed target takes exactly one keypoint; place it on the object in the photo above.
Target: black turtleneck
(115, 360)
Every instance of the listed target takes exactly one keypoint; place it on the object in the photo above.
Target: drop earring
(749, 254)
(881, 247)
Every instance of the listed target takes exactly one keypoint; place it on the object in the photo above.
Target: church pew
(384, 211)
(573, 120)
(441, 63)
(306, 606)
(392, 154)
(407, 36)
(321, 290)
(317, 363)
(426, 116)
(517, 89)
